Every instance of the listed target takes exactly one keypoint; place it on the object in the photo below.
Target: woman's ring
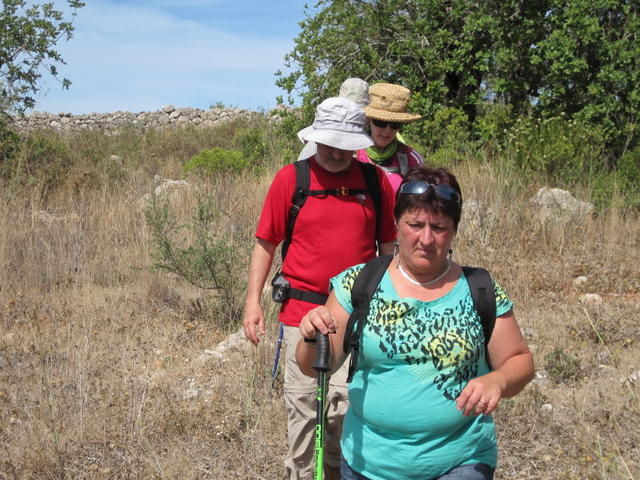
(482, 402)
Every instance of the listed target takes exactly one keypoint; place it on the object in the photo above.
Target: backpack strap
(303, 177)
(364, 286)
(484, 298)
(403, 160)
(373, 188)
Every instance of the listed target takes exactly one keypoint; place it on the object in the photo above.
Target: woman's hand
(326, 319)
(481, 395)
(317, 320)
(512, 365)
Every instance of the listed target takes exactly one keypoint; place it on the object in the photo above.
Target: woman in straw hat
(386, 114)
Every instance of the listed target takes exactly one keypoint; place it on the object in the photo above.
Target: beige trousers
(300, 401)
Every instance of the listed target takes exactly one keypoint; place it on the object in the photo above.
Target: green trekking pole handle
(321, 365)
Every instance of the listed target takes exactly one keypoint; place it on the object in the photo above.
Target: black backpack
(367, 281)
(300, 195)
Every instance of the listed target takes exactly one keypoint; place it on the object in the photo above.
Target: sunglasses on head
(383, 124)
(418, 187)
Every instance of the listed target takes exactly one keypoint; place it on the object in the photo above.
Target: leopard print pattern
(443, 346)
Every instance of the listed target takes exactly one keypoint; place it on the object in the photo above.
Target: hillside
(111, 369)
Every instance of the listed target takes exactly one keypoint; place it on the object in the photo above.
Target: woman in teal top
(423, 389)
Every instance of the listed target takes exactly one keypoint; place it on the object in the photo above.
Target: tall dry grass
(106, 369)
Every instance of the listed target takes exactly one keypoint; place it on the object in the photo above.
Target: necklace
(406, 275)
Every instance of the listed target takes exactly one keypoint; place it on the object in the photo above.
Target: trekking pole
(276, 360)
(321, 365)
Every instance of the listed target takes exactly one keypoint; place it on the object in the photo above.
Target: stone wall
(167, 116)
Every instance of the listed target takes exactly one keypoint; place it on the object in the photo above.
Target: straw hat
(389, 103)
(338, 123)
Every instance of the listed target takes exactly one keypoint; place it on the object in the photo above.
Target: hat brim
(337, 139)
(304, 132)
(309, 150)
(386, 115)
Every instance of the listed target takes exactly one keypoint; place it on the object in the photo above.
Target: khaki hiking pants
(300, 401)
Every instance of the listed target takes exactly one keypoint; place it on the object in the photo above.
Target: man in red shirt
(331, 233)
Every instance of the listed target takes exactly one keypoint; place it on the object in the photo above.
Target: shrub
(565, 151)
(215, 160)
(561, 366)
(197, 251)
(628, 174)
(41, 160)
(252, 143)
(494, 120)
(446, 129)
(9, 145)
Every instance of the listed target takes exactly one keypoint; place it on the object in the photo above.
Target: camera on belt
(281, 287)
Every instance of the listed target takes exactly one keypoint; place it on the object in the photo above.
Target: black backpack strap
(373, 188)
(364, 286)
(484, 298)
(307, 296)
(300, 195)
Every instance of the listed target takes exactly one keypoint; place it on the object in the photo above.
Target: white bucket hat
(338, 123)
(355, 89)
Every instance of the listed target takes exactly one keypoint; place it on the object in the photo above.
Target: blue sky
(141, 55)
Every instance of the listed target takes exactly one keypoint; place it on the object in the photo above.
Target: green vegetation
(30, 33)
(147, 357)
(216, 160)
(562, 366)
(41, 161)
(554, 84)
(196, 251)
(250, 153)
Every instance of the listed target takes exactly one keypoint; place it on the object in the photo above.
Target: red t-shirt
(331, 233)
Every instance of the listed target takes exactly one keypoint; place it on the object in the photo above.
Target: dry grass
(104, 370)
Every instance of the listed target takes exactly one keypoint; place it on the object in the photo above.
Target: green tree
(590, 63)
(511, 76)
(437, 48)
(537, 57)
(28, 36)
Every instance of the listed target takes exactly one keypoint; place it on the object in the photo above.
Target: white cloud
(140, 58)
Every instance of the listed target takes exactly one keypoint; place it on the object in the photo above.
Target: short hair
(429, 200)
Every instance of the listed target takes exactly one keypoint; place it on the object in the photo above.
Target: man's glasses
(383, 124)
(418, 187)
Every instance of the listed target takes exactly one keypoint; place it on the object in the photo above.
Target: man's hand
(253, 323)
(261, 259)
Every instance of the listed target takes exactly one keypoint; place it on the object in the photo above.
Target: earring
(451, 251)
(396, 248)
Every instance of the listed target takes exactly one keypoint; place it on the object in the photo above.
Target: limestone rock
(477, 219)
(591, 299)
(168, 116)
(554, 203)
(580, 282)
